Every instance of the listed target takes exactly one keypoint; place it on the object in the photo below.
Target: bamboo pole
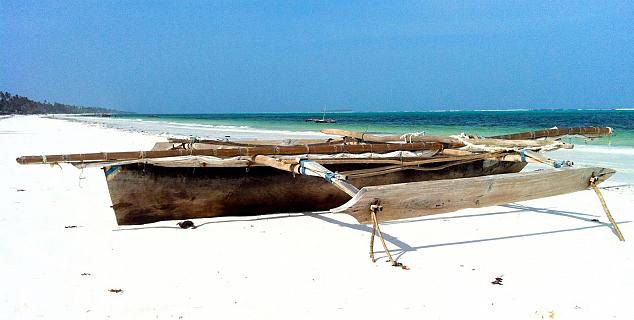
(232, 152)
(590, 132)
(393, 138)
(255, 143)
(450, 141)
(311, 168)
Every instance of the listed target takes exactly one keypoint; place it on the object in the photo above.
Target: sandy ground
(61, 253)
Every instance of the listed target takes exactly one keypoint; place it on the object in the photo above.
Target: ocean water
(484, 123)
(616, 151)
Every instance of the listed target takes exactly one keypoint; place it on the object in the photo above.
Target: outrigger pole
(311, 168)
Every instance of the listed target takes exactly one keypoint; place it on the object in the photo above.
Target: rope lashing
(523, 155)
(44, 159)
(302, 168)
(329, 175)
(593, 184)
(407, 137)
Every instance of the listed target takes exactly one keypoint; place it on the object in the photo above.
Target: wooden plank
(415, 199)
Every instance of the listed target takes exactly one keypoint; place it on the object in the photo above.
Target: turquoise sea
(484, 123)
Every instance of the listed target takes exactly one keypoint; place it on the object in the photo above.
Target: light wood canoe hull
(408, 200)
(143, 193)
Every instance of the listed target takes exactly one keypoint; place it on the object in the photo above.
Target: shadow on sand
(404, 247)
(255, 218)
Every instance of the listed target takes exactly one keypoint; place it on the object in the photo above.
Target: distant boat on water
(322, 120)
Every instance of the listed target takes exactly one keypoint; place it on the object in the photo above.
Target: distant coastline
(11, 104)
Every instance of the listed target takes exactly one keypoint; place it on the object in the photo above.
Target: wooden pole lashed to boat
(309, 168)
(593, 184)
(452, 142)
(231, 152)
(522, 139)
(590, 132)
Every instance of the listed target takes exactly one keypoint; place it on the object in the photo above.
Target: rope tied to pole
(302, 168)
(407, 137)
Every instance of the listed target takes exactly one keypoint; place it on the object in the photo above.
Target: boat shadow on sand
(215, 221)
(515, 208)
(404, 247)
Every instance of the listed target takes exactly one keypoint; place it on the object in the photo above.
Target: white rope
(407, 137)
(468, 146)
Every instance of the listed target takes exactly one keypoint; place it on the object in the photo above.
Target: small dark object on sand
(69, 227)
(20, 190)
(186, 224)
(398, 264)
(85, 274)
(498, 280)
(594, 220)
(115, 290)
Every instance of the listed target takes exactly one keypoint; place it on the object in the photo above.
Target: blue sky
(233, 56)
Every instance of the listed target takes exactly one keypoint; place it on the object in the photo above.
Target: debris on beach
(70, 227)
(594, 220)
(498, 280)
(20, 190)
(85, 274)
(115, 290)
(186, 224)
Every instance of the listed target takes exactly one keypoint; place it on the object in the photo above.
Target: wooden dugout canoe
(240, 178)
(145, 193)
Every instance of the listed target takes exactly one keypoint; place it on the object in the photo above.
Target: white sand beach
(62, 255)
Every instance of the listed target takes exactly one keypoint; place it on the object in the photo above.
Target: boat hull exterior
(143, 193)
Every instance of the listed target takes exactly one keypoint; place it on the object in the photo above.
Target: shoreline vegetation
(16, 104)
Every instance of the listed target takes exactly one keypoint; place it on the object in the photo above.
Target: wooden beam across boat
(408, 200)
(590, 132)
(450, 142)
(309, 168)
(254, 143)
(230, 152)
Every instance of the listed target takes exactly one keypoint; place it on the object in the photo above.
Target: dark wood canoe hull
(143, 193)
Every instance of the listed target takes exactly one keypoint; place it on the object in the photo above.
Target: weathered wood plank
(407, 200)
